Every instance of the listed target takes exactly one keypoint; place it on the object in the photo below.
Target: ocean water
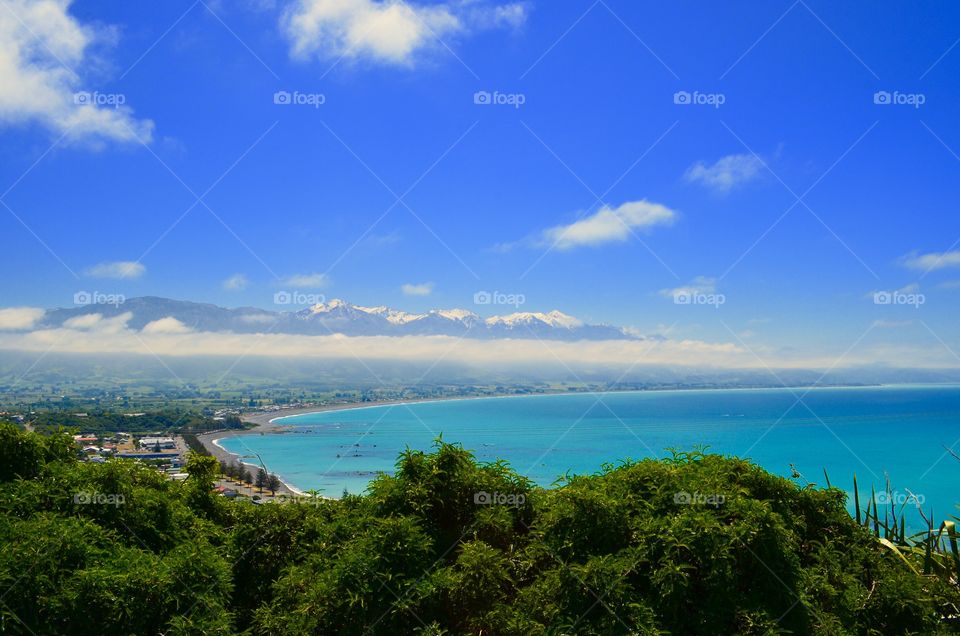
(873, 432)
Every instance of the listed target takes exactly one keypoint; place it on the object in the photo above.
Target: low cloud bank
(168, 337)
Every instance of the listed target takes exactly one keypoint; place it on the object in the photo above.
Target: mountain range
(337, 317)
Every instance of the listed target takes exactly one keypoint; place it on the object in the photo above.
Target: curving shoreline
(269, 422)
(266, 423)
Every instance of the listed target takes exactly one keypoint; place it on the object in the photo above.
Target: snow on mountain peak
(554, 319)
(325, 307)
(456, 314)
(393, 316)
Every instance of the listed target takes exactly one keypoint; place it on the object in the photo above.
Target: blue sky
(598, 195)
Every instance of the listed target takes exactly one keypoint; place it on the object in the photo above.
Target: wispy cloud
(608, 225)
(421, 289)
(42, 51)
(699, 285)
(116, 269)
(306, 280)
(726, 173)
(387, 31)
(932, 260)
(237, 282)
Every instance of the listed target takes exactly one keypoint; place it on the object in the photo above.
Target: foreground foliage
(696, 544)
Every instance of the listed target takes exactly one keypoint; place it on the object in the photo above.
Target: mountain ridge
(337, 316)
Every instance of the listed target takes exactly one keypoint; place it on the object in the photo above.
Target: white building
(150, 443)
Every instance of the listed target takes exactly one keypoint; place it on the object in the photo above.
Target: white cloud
(387, 31)
(726, 173)
(97, 323)
(112, 336)
(306, 280)
(168, 325)
(422, 289)
(42, 48)
(699, 285)
(116, 269)
(932, 261)
(237, 282)
(609, 225)
(19, 317)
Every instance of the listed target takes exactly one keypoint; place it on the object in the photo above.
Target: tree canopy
(695, 544)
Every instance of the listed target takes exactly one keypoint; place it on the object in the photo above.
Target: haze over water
(900, 431)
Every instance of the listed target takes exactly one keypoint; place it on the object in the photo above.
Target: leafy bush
(695, 544)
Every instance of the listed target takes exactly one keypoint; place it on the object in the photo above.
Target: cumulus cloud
(237, 282)
(609, 225)
(306, 280)
(116, 269)
(726, 173)
(421, 289)
(42, 51)
(386, 31)
(165, 325)
(932, 260)
(20, 317)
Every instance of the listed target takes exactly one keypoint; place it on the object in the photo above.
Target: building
(151, 443)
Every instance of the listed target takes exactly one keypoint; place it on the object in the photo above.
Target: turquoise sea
(900, 431)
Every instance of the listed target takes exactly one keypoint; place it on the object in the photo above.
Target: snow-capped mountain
(340, 317)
